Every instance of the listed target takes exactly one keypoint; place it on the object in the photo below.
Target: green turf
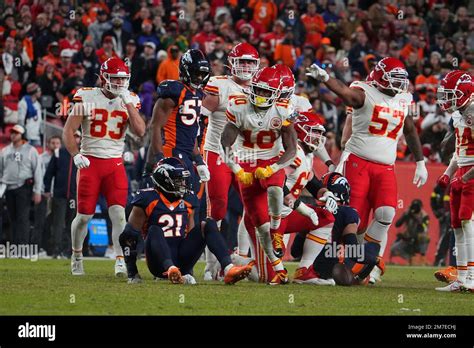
(46, 288)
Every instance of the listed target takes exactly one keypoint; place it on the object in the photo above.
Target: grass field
(46, 288)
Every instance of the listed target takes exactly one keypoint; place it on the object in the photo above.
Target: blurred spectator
(23, 60)
(426, 81)
(414, 238)
(169, 68)
(66, 68)
(146, 97)
(308, 53)
(107, 51)
(248, 28)
(205, 39)
(274, 37)
(63, 202)
(21, 172)
(314, 25)
(330, 15)
(70, 41)
(30, 114)
(89, 60)
(52, 58)
(150, 61)
(99, 27)
(135, 64)
(292, 19)
(72, 84)
(359, 51)
(49, 83)
(42, 35)
(147, 35)
(120, 36)
(218, 52)
(9, 57)
(265, 12)
(11, 90)
(351, 20)
(286, 51)
(174, 37)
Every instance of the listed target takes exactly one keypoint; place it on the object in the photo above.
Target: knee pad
(82, 220)
(117, 213)
(275, 191)
(384, 214)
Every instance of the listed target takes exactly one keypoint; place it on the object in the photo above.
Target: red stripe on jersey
(230, 117)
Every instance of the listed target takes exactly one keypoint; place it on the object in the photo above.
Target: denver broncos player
(175, 120)
(260, 126)
(455, 94)
(381, 111)
(244, 61)
(103, 114)
(172, 248)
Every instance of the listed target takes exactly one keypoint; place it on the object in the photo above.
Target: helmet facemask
(287, 93)
(397, 80)
(262, 95)
(116, 88)
(447, 98)
(244, 68)
(177, 186)
(314, 138)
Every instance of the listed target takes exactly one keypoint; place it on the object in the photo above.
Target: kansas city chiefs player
(261, 125)
(300, 104)
(381, 111)
(455, 94)
(244, 61)
(103, 114)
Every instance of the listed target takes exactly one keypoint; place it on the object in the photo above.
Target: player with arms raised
(262, 127)
(103, 114)
(455, 94)
(381, 111)
(244, 61)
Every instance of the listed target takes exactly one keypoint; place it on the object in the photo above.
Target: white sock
(286, 238)
(383, 244)
(79, 232)
(211, 259)
(243, 239)
(313, 244)
(263, 234)
(117, 216)
(468, 229)
(461, 254)
(275, 205)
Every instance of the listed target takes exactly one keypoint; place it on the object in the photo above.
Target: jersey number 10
(379, 125)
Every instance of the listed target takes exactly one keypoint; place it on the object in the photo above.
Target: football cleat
(278, 245)
(468, 285)
(447, 275)
(375, 275)
(207, 276)
(305, 275)
(451, 287)
(189, 279)
(280, 278)
(77, 266)
(120, 267)
(136, 279)
(174, 275)
(237, 273)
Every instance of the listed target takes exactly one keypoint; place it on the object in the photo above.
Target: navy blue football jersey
(172, 217)
(182, 127)
(345, 215)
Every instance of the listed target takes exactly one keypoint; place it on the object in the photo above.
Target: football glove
(244, 177)
(317, 73)
(421, 174)
(443, 181)
(263, 173)
(81, 161)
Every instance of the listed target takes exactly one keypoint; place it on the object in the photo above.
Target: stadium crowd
(49, 49)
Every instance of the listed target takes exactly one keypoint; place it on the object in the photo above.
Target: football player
(300, 104)
(103, 114)
(172, 248)
(244, 61)
(175, 121)
(262, 127)
(381, 111)
(315, 221)
(344, 233)
(455, 95)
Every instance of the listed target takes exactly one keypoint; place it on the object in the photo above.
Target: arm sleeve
(313, 186)
(21, 112)
(37, 171)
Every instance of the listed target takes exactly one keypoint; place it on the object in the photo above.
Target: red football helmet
(114, 67)
(310, 131)
(265, 87)
(390, 73)
(244, 61)
(455, 90)
(287, 79)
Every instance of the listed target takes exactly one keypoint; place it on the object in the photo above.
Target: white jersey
(260, 133)
(300, 103)
(297, 176)
(225, 87)
(378, 124)
(464, 130)
(105, 123)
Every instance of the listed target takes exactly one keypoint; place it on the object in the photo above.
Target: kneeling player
(172, 244)
(360, 259)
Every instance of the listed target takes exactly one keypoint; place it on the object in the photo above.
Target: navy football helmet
(194, 69)
(338, 185)
(171, 176)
